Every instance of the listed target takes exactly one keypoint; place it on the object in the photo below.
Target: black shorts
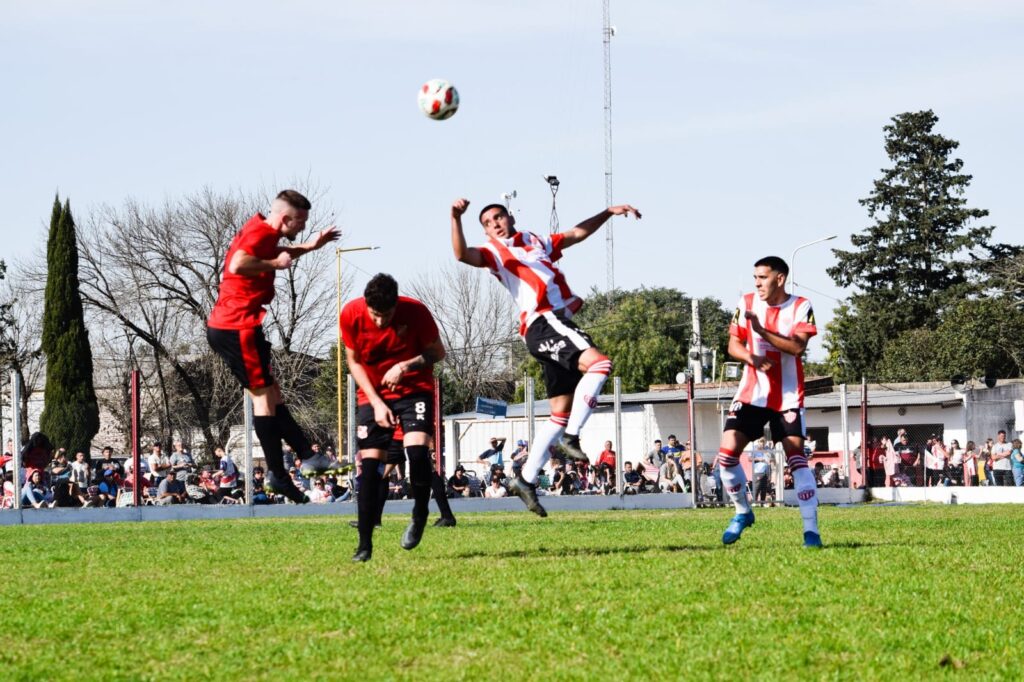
(750, 420)
(395, 453)
(246, 353)
(414, 412)
(558, 343)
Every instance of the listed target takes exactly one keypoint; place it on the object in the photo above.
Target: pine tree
(70, 414)
(922, 254)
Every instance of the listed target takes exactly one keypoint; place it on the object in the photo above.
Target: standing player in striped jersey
(574, 368)
(768, 334)
(234, 329)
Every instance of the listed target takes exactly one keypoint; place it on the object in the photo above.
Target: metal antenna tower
(609, 232)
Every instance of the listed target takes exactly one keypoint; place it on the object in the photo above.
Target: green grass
(897, 592)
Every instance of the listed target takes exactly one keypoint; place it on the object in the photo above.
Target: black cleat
(413, 534)
(570, 445)
(285, 486)
(362, 555)
(445, 522)
(527, 492)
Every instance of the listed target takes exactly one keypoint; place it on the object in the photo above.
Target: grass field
(898, 592)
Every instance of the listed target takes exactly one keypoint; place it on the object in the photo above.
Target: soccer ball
(438, 99)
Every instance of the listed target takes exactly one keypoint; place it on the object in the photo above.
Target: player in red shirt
(235, 332)
(575, 370)
(391, 346)
(768, 334)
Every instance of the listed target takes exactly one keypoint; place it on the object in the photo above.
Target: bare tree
(22, 333)
(477, 320)
(150, 275)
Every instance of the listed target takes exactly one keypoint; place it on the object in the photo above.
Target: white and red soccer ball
(438, 99)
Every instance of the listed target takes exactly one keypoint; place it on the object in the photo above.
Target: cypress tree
(70, 413)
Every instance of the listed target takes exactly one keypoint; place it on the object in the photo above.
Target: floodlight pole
(694, 481)
(844, 421)
(136, 409)
(341, 364)
(619, 487)
(16, 437)
(792, 259)
(247, 466)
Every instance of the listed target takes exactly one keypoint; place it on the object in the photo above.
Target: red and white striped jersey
(781, 388)
(525, 265)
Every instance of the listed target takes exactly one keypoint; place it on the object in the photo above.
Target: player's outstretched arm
(248, 265)
(319, 240)
(591, 225)
(464, 254)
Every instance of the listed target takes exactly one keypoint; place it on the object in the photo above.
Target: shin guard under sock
(269, 434)
(367, 502)
(584, 399)
(540, 450)
(419, 479)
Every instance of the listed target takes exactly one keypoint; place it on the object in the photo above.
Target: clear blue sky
(741, 128)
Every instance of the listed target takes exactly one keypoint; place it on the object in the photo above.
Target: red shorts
(246, 352)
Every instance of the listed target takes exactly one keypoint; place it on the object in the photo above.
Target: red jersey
(525, 265)
(607, 457)
(242, 297)
(781, 388)
(410, 331)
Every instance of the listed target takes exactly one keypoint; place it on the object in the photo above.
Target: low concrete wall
(951, 495)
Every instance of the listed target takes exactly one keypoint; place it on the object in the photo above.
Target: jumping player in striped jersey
(575, 370)
(234, 329)
(768, 334)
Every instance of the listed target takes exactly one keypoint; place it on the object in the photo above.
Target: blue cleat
(812, 540)
(735, 529)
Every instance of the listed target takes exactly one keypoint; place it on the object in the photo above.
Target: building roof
(879, 395)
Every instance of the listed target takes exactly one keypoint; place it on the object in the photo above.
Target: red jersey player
(391, 345)
(769, 333)
(574, 368)
(234, 329)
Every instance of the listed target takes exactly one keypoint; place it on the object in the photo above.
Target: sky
(741, 129)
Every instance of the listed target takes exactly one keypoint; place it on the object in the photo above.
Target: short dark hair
(294, 199)
(775, 263)
(381, 293)
(107, 448)
(488, 207)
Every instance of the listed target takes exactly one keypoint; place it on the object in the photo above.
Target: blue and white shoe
(812, 540)
(735, 529)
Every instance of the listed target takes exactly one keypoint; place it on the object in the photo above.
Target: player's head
(497, 221)
(770, 274)
(381, 296)
(289, 213)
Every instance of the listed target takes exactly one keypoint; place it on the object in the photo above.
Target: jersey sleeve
(804, 322)
(346, 322)
(490, 262)
(553, 246)
(738, 326)
(258, 243)
(426, 327)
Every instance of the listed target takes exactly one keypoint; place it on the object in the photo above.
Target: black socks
(440, 495)
(367, 502)
(292, 432)
(269, 433)
(419, 480)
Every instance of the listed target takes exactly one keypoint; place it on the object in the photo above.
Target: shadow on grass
(867, 545)
(582, 551)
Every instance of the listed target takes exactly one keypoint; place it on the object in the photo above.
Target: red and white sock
(806, 490)
(734, 480)
(540, 450)
(584, 400)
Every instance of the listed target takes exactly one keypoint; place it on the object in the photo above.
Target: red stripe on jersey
(525, 274)
(251, 358)
(774, 401)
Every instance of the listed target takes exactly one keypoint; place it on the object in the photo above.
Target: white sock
(540, 450)
(584, 400)
(803, 481)
(734, 480)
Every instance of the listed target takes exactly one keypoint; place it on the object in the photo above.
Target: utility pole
(609, 230)
(696, 353)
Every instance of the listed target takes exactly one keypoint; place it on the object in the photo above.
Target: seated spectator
(7, 501)
(669, 478)
(259, 490)
(68, 494)
(170, 490)
(33, 493)
(657, 453)
(819, 474)
(495, 489)
(631, 480)
(60, 469)
(458, 484)
(649, 473)
(688, 459)
(318, 493)
(81, 472)
(606, 460)
(107, 489)
(208, 483)
(396, 485)
(196, 492)
(105, 462)
(339, 488)
(159, 463)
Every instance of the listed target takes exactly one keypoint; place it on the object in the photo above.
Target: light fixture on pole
(506, 198)
(792, 259)
(341, 371)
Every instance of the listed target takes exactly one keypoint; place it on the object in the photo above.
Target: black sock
(440, 496)
(419, 480)
(269, 435)
(292, 432)
(382, 497)
(369, 490)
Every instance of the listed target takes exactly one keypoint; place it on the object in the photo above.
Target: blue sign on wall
(489, 406)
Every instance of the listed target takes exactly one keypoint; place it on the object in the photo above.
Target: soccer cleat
(318, 465)
(812, 540)
(570, 445)
(413, 534)
(362, 555)
(527, 492)
(735, 528)
(285, 486)
(445, 522)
